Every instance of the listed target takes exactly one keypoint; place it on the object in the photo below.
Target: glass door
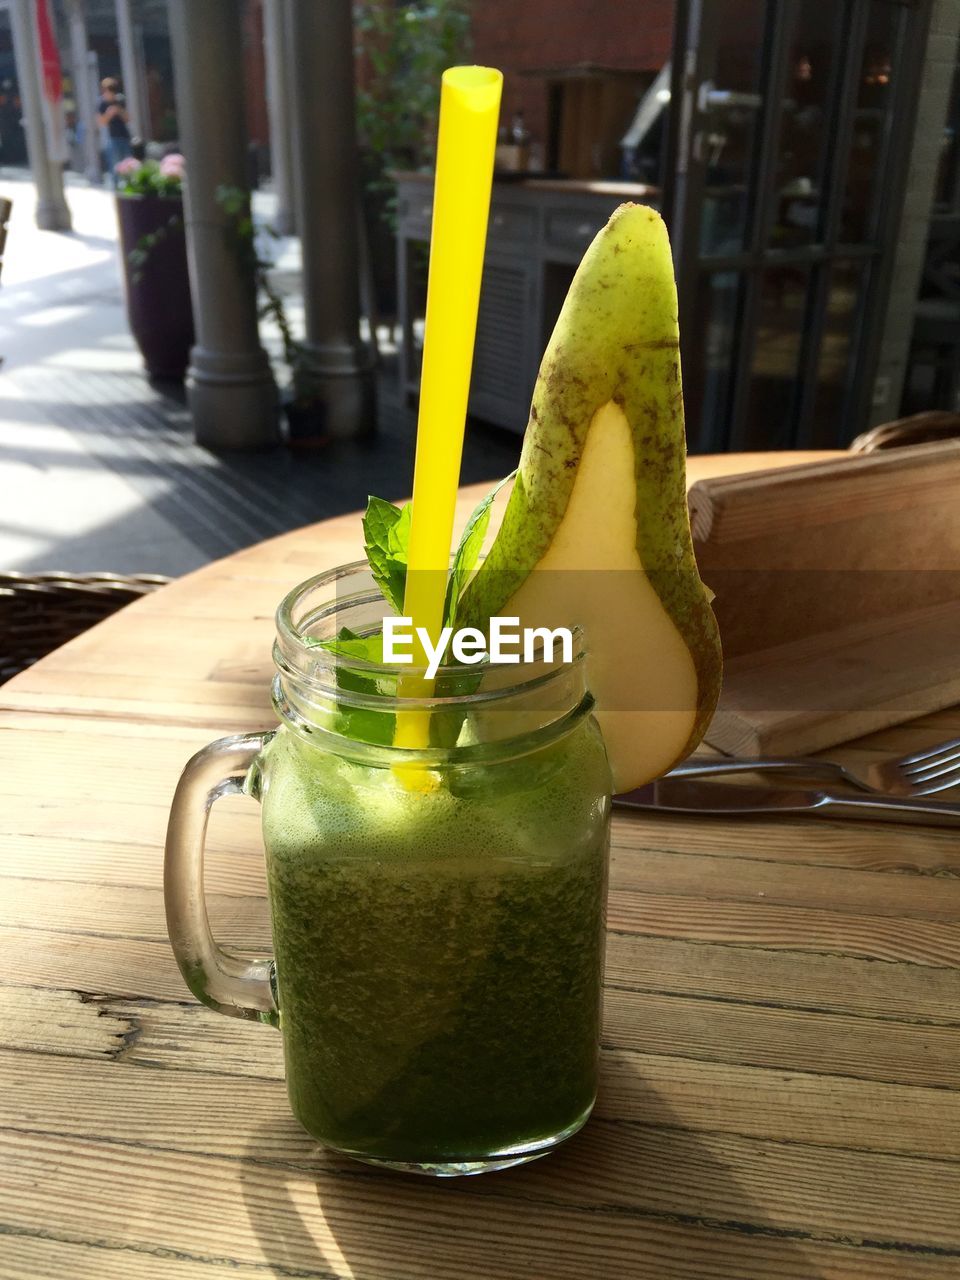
(789, 126)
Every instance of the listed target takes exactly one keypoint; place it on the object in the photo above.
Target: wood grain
(927, 851)
(795, 928)
(780, 1091)
(799, 697)
(832, 984)
(872, 893)
(90, 965)
(654, 1090)
(829, 491)
(59, 1022)
(805, 1107)
(837, 593)
(38, 1257)
(343, 1223)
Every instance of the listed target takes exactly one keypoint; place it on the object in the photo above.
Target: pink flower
(173, 166)
(127, 166)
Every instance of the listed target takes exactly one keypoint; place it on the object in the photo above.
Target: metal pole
(325, 156)
(231, 391)
(52, 212)
(130, 69)
(278, 107)
(84, 90)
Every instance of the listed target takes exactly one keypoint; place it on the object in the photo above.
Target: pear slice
(596, 532)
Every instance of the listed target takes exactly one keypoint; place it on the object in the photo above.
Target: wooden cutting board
(838, 595)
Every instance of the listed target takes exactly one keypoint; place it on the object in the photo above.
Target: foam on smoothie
(367, 812)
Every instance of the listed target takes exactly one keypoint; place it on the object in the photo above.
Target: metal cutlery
(689, 795)
(921, 774)
(924, 772)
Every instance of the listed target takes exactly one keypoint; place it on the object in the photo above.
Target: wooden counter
(537, 234)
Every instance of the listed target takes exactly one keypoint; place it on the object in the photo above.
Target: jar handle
(229, 983)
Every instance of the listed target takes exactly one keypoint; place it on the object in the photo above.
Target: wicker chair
(922, 428)
(41, 611)
(6, 209)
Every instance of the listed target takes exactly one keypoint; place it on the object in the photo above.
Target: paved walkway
(99, 471)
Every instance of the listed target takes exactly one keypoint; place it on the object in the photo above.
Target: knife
(715, 799)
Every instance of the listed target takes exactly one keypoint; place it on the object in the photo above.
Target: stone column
(52, 211)
(232, 393)
(278, 106)
(325, 157)
(130, 70)
(84, 90)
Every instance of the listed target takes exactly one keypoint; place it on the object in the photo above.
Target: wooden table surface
(781, 1049)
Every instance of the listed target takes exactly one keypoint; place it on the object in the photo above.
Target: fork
(921, 774)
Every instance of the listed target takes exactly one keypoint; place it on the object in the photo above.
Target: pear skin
(596, 532)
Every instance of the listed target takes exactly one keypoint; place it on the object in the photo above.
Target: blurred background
(159, 328)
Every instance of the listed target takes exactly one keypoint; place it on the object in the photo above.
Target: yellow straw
(469, 110)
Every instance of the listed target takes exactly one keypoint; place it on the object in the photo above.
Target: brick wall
(520, 35)
(525, 35)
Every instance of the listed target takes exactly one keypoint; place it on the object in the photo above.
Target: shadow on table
(635, 1202)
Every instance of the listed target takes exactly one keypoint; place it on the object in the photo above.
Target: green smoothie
(439, 953)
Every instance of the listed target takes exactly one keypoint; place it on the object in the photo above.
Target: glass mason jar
(437, 910)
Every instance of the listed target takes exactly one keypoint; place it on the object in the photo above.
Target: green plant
(241, 233)
(151, 177)
(404, 50)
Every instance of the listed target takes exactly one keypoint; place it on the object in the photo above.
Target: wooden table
(781, 1052)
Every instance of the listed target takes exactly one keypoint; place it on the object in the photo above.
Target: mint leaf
(398, 535)
(348, 644)
(361, 723)
(386, 532)
(468, 552)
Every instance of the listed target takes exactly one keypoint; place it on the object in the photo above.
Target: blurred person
(13, 149)
(113, 118)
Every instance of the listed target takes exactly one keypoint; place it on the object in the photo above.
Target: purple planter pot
(158, 290)
(306, 425)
